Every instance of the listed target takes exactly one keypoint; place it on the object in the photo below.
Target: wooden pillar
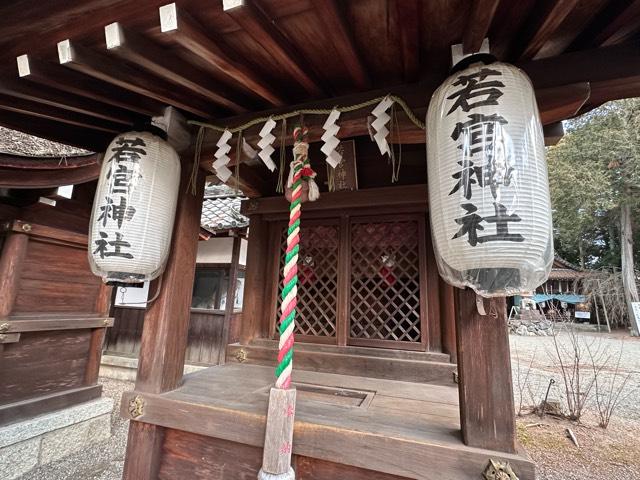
(231, 297)
(164, 334)
(448, 319)
(256, 282)
(484, 369)
(433, 299)
(11, 258)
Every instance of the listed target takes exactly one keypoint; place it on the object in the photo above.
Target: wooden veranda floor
(407, 429)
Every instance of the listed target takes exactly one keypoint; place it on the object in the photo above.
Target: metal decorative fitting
(2, 337)
(26, 227)
(136, 407)
(106, 321)
(252, 205)
(456, 378)
(241, 355)
(499, 471)
(4, 327)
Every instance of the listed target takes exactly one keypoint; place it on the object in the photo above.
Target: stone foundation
(125, 368)
(50, 437)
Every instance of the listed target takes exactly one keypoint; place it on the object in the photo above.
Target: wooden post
(484, 370)
(231, 297)
(448, 318)
(164, 334)
(276, 458)
(253, 309)
(12, 255)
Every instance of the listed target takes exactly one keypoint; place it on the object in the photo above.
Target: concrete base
(125, 368)
(50, 437)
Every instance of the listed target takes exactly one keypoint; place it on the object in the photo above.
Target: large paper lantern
(488, 187)
(134, 209)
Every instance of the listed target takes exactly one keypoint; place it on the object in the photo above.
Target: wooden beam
(621, 28)
(249, 182)
(478, 24)
(407, 22)
(190, 35)
(39, 178)
(263, 29)
(105, 68)
(330, 15)
(67, 101)
(53, 75)
(27, 107)
(553, 133)
(561, 103)
(484, 373)
(142, 52)
(546, 26)
(596, 65)
(48, 163)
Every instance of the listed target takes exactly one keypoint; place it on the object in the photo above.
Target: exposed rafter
(622, 28)
(107, 69)
(52, 130)
(137, 49)
(338, 31)
(544, 29)
(30, 108)
(56, 98)
(407, 15)
(190, 35)
(255, 21)
(478, 23)
(55, 76)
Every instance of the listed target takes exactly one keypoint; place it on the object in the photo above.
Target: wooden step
(351, 350)
(358, 364)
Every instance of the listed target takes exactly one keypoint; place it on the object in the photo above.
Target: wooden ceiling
(269, 55)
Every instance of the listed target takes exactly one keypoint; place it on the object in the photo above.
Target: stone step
(358, 364)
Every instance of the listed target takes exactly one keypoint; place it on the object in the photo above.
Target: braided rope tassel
(290, 270)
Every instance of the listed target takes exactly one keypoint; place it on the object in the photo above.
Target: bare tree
(609, 388)
(577, 384)
(522, 380)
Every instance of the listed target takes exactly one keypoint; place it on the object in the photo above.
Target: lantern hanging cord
(149, 301)
(316, 111)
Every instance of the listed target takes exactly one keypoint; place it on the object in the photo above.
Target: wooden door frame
(343, 221)
(423, 286)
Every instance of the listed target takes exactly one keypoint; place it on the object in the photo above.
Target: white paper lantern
(134, 209)
(488, 187)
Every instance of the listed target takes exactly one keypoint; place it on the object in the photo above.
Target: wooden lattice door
(317, 281)
(387, 260)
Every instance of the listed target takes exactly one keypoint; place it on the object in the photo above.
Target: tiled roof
(221, 209)
(13, 142)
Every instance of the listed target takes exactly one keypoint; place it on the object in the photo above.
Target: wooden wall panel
(59, 263)
(197, 457)
(42, 363)
(56, 278)
(46, 296)
(203, 340)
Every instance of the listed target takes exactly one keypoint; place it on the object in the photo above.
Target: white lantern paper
(488, 187)
(134, 209)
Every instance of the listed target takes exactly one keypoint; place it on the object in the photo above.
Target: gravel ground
(613, 453)
(603, 454)
(100, 461)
